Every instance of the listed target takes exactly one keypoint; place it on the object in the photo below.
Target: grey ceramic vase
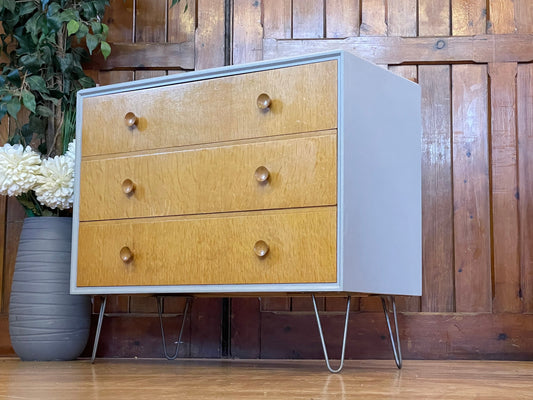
(46, 322)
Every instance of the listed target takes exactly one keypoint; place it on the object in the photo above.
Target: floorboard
(265, 379)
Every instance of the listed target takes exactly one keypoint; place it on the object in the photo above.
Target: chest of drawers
(283, 176)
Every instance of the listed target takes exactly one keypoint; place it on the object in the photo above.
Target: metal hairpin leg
(322, 335)
(160, 311)
(99, 327)
(396, 349)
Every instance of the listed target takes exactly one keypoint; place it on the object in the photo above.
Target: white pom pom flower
(55, 185)
(19, 168)
(71, 151)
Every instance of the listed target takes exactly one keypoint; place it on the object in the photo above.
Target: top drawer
(303, 98)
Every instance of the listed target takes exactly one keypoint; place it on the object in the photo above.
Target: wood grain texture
(523, 16)
(423, 336)
(150, 21)
(277, 19)
(342, 18)
(469, 17)
(501, 17)
(505, 194)
(146, 55)
(307, 19)
(302, 173)
(434, 17)
(524, 111)
(119, 16)
(214, 249)
(402, 18)
(373, 18)
(3, 226)
(14, 220)
(247, 31)
(209, 47)
(471, 189)
(181, 22)
(245, 340)
(418, 50)
(437, 190)
(253, 380)
(275, 303)
(230, 101)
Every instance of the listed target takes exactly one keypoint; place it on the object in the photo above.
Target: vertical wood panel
(402, 18)
(307, 19)
(525, 165)
(469, 17)
(181, 22)
(305, 303)
(505, 188)
(245, 328)
(209, 41)
(524, 16)
(342, 18)
(119, 18)
(14, 220)
(471, 189)
(277, 19)
(501, 16)
(3, 226)
(247, 31)
(373, 18)
(437, 190)
(150, 21)
(143, 305)
(275, 304)
(434, 17)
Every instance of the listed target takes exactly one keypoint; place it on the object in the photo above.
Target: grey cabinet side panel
(381, 213)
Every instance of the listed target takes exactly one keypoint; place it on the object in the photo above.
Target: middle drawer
(288, 173)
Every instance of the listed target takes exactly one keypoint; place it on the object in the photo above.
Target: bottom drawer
(300, 247)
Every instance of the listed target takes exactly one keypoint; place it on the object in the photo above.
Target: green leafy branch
(45, 43)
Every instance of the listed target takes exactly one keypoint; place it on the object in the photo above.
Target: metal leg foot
(98, 327)
(160, 311)
(334, 371)
(396, 349)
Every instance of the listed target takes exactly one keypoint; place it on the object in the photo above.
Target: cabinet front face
(260, 104)
(266, 174)
(264, 247)
(229, 181)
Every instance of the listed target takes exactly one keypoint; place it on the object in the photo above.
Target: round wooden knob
(126, 255)
(128, 187)
(131, 120)
(264, 101)
(262, 174)
(261, 248)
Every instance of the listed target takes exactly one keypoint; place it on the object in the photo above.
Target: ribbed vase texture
(46, 322)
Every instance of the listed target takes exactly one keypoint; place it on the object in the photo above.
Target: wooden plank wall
(473, 60)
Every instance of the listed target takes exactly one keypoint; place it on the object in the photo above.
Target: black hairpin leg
(396, 349)
(160, 311)
(99, 327)
(322, 335)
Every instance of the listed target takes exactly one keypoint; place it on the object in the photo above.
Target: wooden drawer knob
(131, 120)
(126, 255)
(262, 174)
(128, 187)
(264, 101)
(261, 248)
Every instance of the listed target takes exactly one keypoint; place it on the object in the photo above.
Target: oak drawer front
(303, 99)
(284, 173)
(217, 249)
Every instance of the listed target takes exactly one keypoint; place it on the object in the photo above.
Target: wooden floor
(216, 379)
